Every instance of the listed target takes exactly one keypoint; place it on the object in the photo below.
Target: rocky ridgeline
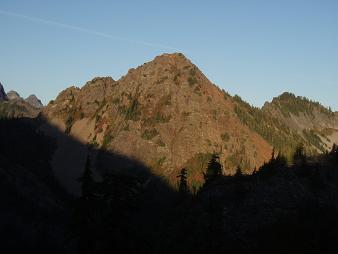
(13, 105)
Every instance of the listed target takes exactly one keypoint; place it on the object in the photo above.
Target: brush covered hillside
(166, 114)
(287, 123)
(317, 124)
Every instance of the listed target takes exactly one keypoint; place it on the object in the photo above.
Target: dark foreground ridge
(124, 208)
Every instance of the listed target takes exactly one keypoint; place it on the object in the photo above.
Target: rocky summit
(13, 95)
(34, 101)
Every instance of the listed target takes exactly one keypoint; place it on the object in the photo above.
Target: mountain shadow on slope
(36, 207)
(128, 209)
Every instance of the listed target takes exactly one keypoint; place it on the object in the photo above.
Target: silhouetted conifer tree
(334, 151)
(299, 161)
(299, 155)
(238, 172)
(85, 225)
(281, 160)
(273, 154)
(183, 184)
(214, 169)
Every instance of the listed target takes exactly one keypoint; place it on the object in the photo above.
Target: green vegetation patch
(225, 137)
(160, 143)
(238, 160)
(176, 78)
(313, 139)
(161, 118)
(158, 118)
(289, 103)
(126, 128)
(149, 134)
(116, 101)
(107, 139)
(133, 112)
(69, 123)
(192, 81)
(161, 80)
(160, 161)
(270, 128)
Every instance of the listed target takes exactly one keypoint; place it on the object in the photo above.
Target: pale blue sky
(257, 49)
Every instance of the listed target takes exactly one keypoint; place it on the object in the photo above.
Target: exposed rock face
(166, 114)
(13, 95)
(2, 93)
(34, 101)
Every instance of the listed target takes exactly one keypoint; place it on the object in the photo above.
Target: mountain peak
(171, 70)
(13, 95)
(34, 101)
(165, 61)
(152, 112)
(172, 58)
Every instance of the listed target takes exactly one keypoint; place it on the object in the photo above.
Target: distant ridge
(12, 105)
(13, 95)
(34, 101)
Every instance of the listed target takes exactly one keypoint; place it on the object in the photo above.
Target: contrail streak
(88, 31)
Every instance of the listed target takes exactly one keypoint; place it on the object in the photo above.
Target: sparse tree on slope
(214, 169)
(183, 183)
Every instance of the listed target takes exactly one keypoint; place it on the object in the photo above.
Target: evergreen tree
(334, 152)
(281, 161)
(85, 214)
(238, 173)
(299, 155)
(183, 184)
(273, 154)
(214, 169)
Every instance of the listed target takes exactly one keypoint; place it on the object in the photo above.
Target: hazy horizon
(255, 49)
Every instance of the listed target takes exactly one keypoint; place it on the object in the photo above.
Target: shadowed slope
(124, 208)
